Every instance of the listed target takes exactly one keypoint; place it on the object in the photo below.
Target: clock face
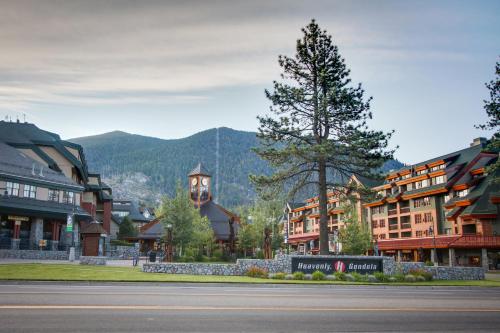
(194, 181)
(204, 181)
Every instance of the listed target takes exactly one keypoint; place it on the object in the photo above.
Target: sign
(42, 243)
(69, 223)
(18, 218)
(301, 249)
(333, 264)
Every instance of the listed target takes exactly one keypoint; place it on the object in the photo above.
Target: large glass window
(68, 197)
(13, 189)
(54, 195)
(30, 191)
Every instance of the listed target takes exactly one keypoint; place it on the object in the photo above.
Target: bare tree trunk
(323, 213)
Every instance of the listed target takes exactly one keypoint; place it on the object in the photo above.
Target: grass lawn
(60, 272)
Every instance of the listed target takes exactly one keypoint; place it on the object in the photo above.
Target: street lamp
(169, 245)
(434, 254)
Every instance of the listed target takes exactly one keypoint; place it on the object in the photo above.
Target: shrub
(399, 277)
(410, 278)
(331, 277)
(340, 276)
(350, 278)
(217, 255)
(279, 276)
(392, 279)
(371, 278)
(428, 263)
(257, 272)
(318, 275)
(423, 273)
(381, 277)
(308, 277)
(260, 254)
(289, 277)
(420, 278)
(298, 276)
(358, 277)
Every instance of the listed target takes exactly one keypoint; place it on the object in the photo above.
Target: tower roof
(199, 170)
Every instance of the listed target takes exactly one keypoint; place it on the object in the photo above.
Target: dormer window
(30, 191)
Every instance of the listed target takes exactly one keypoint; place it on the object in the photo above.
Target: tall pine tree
(316, 133)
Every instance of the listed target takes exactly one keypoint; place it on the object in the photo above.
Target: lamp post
(169, 244)
(433, 254)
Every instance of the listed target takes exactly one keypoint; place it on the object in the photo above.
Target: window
(419, 233)
(462, 193)
(447, 198)
(381, 236)
(422, 202)
(29, 191)
(54, 195)
(438, 180)
(421, 172)
(374, 224)
(418, 218)
(422, 183)
(406, 234)
(13, 189)
(68, 197)
(428, 217)
(381, 223)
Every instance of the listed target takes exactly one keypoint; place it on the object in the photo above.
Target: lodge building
(43, 180)
(443, 210)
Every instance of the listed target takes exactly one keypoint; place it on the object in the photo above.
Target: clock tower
(199, 185)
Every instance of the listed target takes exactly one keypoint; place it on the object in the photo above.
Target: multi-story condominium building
(301, 227)
(43, 180)
(443, 210)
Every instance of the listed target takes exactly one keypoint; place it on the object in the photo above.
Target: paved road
(50, 307)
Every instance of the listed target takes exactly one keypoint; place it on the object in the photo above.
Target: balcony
(393, 226)
(406, 225)
(404, 210)
(392, 212)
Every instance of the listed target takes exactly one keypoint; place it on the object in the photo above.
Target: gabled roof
(199, 170)
(16, 165)
(482, 192)
(219, 219)
(369, 182)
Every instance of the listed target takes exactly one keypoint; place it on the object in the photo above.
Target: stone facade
(33, 254)
(443, 272)
(283, 263)
(86, 260)
(122, 252)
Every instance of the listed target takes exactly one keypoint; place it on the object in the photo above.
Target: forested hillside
(143, 168)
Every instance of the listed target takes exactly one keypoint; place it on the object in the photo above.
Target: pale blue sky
(168, 69)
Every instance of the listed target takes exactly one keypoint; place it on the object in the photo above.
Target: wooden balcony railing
(404, 210)
(393, 226)
(405, 225)
(392, 212)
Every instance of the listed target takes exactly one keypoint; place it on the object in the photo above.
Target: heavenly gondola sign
(331, 265)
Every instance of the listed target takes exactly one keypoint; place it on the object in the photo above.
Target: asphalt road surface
(51, 307)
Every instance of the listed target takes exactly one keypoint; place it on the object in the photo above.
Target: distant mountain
(143, 168)
(159, 163)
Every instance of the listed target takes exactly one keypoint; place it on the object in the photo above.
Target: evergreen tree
(127, 228)
(355, 237)
(246, 238)
(318, 134)
(492, 108)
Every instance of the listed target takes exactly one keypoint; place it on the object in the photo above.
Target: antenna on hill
(217, 165)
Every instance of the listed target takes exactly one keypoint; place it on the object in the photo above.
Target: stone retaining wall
(85, 260)
(443, 272)
(122, 252)
(34, 254)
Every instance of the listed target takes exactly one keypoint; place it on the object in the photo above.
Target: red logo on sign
(339, 266)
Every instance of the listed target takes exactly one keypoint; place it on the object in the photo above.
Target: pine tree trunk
(323, 213)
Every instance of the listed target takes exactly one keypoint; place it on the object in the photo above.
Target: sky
(169, 69)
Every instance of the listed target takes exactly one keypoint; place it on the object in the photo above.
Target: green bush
(349, 277)
(358, 277)
(420, 278)
(410, 278)
(340, 276)
(279, 276)
(381, 277)
(318, 276)
(217, 255)
(260, 254)
(423, 273)
(428, 263)
(298, 276)
(399, 277)
(257, 272)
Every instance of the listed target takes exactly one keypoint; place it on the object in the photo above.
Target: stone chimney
(479, 142)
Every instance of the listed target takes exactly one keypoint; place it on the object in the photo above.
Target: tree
(203, 236)
(180, 212)
(355, 237)
(246, 238)
(492, 108)
(317, 131)
(127, 228)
